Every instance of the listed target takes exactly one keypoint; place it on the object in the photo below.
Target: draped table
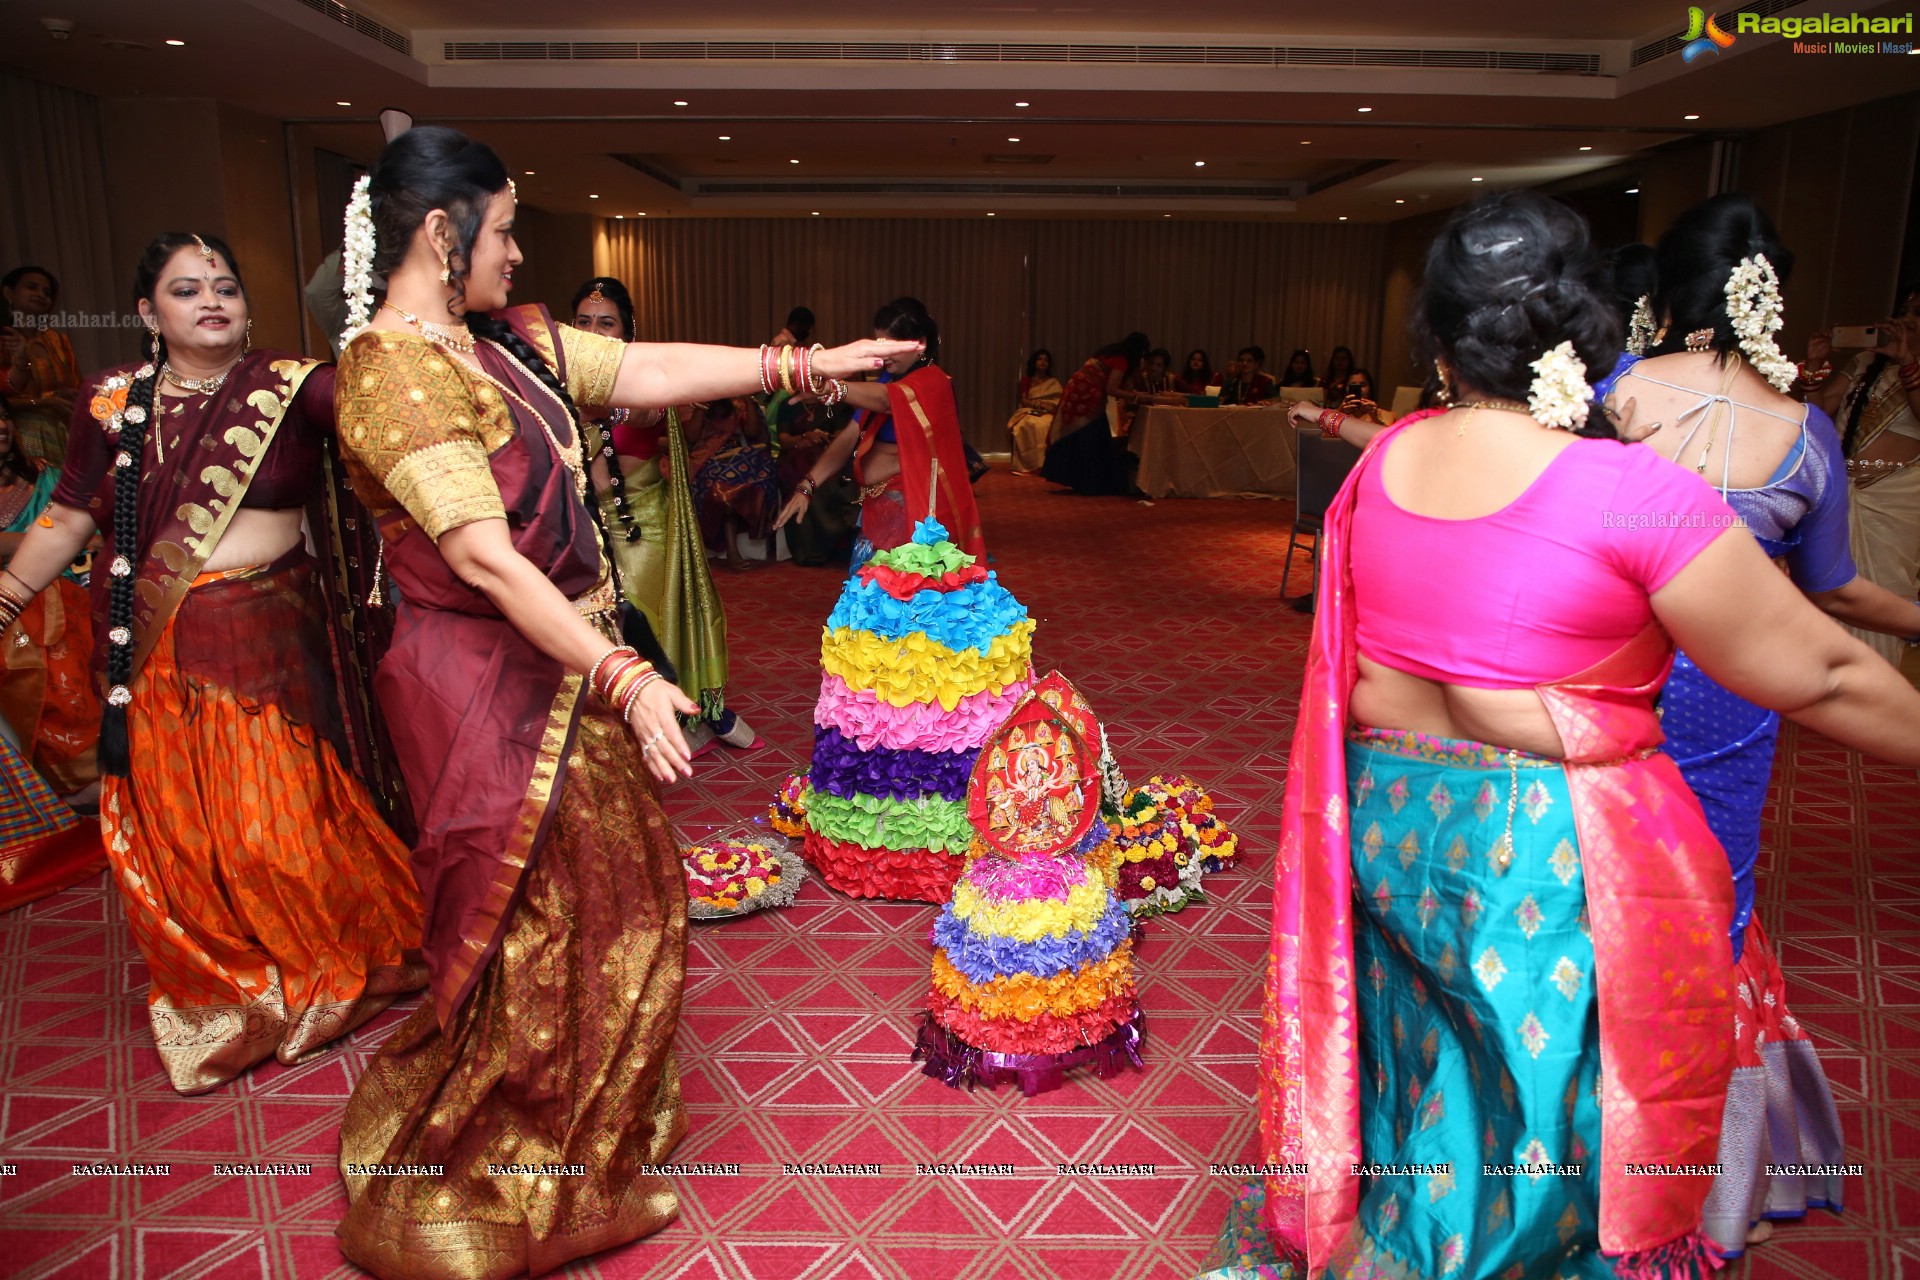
(1213, 453)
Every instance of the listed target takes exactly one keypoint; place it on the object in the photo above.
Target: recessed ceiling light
(1306, 142)
(620, 217)
(726, 137)
(342, 103)
(1586, 148)
(816, 213)
(1402, 201)
(1022, 104)
(1476, 179)
(1364, 110)
(1692, 115)
(1166, 215)
(1633, 191)
(641, 214)
(793, 162)
(1013, 139)
(178, 44)
(1343, 217)
(679, 102)
(989, 215)
(527, 174)
(1199, 164)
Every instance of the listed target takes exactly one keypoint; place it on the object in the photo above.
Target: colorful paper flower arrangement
(739, 870)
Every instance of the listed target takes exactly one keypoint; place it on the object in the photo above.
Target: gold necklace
(573, 456)
(199, 386)
(459, 337)
(1474, 406)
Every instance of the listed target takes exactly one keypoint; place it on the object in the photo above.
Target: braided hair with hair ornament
(635, 628)
(116, 753)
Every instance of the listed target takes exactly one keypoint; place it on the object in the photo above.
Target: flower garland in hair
(1641, 327)
(1560, 395)
(1754, 306)
(356, 260)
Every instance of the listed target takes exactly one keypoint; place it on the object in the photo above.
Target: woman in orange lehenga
(40, 376)
(47, 701)
(556, 902)
(268, 896)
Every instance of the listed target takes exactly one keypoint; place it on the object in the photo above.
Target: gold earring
(249, 345)
(1445, 375)
(446, 271)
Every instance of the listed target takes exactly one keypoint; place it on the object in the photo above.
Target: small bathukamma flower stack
(923, 657)
(1166, 837)
(1033, 960)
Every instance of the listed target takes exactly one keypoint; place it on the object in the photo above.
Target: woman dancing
(640, 462)
(1714, 395)
(269, 899)
(1478, 838)
(905, 445)
(531, 741)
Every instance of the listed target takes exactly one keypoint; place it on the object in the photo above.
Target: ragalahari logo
(1703, 34)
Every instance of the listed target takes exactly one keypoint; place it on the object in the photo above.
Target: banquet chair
(1322, 466)
(1405, 401)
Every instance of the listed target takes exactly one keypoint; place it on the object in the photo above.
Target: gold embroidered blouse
(417, 426)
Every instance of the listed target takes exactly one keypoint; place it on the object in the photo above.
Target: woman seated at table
(1082, 451)
(1197, 376)
(1299, 370)
(1039, 396)
(1149, 384)
(1340, 367)
(1248, 385)
(736, 488)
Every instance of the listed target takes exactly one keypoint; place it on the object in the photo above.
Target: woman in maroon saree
(532, 744)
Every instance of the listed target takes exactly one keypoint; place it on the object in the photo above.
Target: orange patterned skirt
(558, 1071)
(273, 906)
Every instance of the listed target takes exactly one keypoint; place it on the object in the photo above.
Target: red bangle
(1331, 420)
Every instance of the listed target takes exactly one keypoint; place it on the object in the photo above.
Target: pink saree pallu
(1657, 899)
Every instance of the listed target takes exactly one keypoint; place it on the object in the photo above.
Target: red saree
(926, 425)
(1653, 870)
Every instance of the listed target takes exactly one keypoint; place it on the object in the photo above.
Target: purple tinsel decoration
(954, 1062)
(841, 768)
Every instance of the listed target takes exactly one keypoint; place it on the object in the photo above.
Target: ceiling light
(593, 197)
(620, 217)
(1022, 104)
(1476, 179)
(726, 137)
(641, 214)
(1306, 142)
(1364, 110)
(341, 103)
(1633, 191)
(1692, 115)
(1586, 148)
(679, 102)
(1199, 164)
(1402, 201)
(1343, 217)
(1013, 139)
(793, 162)
(1166, 215)
(527, 174)
(178, 44)
(816, 213)
(989, 215)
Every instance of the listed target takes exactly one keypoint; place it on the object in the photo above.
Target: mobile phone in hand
(1862, 337)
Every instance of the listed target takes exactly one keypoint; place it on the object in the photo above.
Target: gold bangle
(786, 370)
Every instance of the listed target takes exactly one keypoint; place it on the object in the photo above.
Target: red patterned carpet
(797, 1029)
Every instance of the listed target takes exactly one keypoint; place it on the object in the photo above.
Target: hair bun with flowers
(356, 259)
(1754, 307)
(1560, 395)
(1641, 327)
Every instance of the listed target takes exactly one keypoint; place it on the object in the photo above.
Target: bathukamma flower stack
(1033, 963)
(923, 657)
(1166, 837)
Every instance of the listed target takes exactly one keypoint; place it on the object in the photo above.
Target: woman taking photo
(270, 901)
(653, 534)
(1082, 451)
(1039, 397)
(1480, 832)
(41, 377)
(533, 743)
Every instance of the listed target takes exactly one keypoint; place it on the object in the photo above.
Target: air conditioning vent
(1020, 159)
(1557, 62)
(360, 22)
(1665, 45)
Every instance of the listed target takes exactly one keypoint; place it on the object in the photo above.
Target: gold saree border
(231, 483)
